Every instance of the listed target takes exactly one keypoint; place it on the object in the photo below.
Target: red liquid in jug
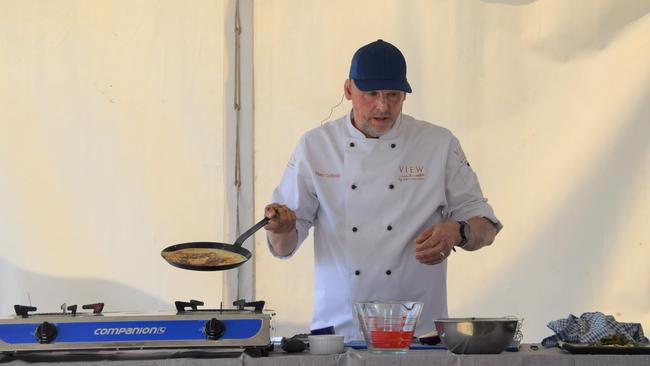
(391, 339)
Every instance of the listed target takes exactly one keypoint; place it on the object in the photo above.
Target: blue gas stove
(245, 327)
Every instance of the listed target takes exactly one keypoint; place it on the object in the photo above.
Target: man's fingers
(432, 263)
(271, 211)
(426, 234)
(276, 211)
(285, 215)
(430, 242)
(282, 218)
(433, 257)
(290, 224)
(429, 253)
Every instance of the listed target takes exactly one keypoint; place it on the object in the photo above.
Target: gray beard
(369, 130)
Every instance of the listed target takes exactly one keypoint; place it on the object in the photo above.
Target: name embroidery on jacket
(411, 172)
(328, 175)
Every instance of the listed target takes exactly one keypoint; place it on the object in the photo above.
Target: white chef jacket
(367, 200)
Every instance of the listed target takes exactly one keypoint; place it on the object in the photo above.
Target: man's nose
(381, 102)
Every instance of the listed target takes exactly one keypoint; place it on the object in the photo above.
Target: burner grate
(241, 306)
(25, 310)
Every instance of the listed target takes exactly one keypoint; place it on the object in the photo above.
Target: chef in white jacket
(388, 196)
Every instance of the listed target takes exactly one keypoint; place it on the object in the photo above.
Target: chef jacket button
(391, 186)
(389, 228)
(392, 145)
(357, 272)
(351, 144)
(354, 186)
(388, 272)
(354, 229)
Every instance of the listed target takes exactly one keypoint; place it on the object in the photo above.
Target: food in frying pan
(203, 257)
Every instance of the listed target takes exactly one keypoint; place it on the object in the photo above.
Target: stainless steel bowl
(476, 335)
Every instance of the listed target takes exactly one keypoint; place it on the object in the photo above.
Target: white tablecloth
(525, 357)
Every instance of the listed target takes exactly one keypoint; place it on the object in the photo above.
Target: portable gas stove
(244, 328)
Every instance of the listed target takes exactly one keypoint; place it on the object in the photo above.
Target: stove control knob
(214, 329)
(46, 332)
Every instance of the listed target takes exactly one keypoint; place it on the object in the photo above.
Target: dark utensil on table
(432, 338)
(292, 345)
(235, 248)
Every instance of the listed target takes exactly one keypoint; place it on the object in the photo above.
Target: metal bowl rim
(476, 320)
(392, 302)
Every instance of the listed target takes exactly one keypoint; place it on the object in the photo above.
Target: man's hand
(281, 230)
(435, 243)
(283, 220)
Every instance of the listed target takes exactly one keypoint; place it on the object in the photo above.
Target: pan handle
(242, 238)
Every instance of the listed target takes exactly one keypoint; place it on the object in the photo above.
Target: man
(389, 198)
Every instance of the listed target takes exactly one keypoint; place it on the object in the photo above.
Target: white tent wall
(111, 148)
(551, 102)
(114, 144)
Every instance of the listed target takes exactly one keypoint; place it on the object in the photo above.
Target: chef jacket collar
(390, 135)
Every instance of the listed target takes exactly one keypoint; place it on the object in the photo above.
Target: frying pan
(234, 248)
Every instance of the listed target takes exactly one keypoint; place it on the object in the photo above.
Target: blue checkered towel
(591, 327)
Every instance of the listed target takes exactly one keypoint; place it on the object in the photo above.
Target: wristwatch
(464, 233)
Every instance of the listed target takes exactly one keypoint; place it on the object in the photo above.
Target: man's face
(374, 111)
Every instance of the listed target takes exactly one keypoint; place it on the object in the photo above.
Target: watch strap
(464, 230)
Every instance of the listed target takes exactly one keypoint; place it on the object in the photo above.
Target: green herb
(616, 339)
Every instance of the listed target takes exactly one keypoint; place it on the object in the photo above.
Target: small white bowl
(325, 344)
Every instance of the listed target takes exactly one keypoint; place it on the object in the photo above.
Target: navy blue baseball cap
(379, 66)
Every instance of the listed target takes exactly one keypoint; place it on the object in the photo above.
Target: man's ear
(347, 89)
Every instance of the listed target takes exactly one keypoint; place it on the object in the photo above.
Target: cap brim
(369, 85)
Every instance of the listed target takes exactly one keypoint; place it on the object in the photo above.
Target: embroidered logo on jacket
(411, 172)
